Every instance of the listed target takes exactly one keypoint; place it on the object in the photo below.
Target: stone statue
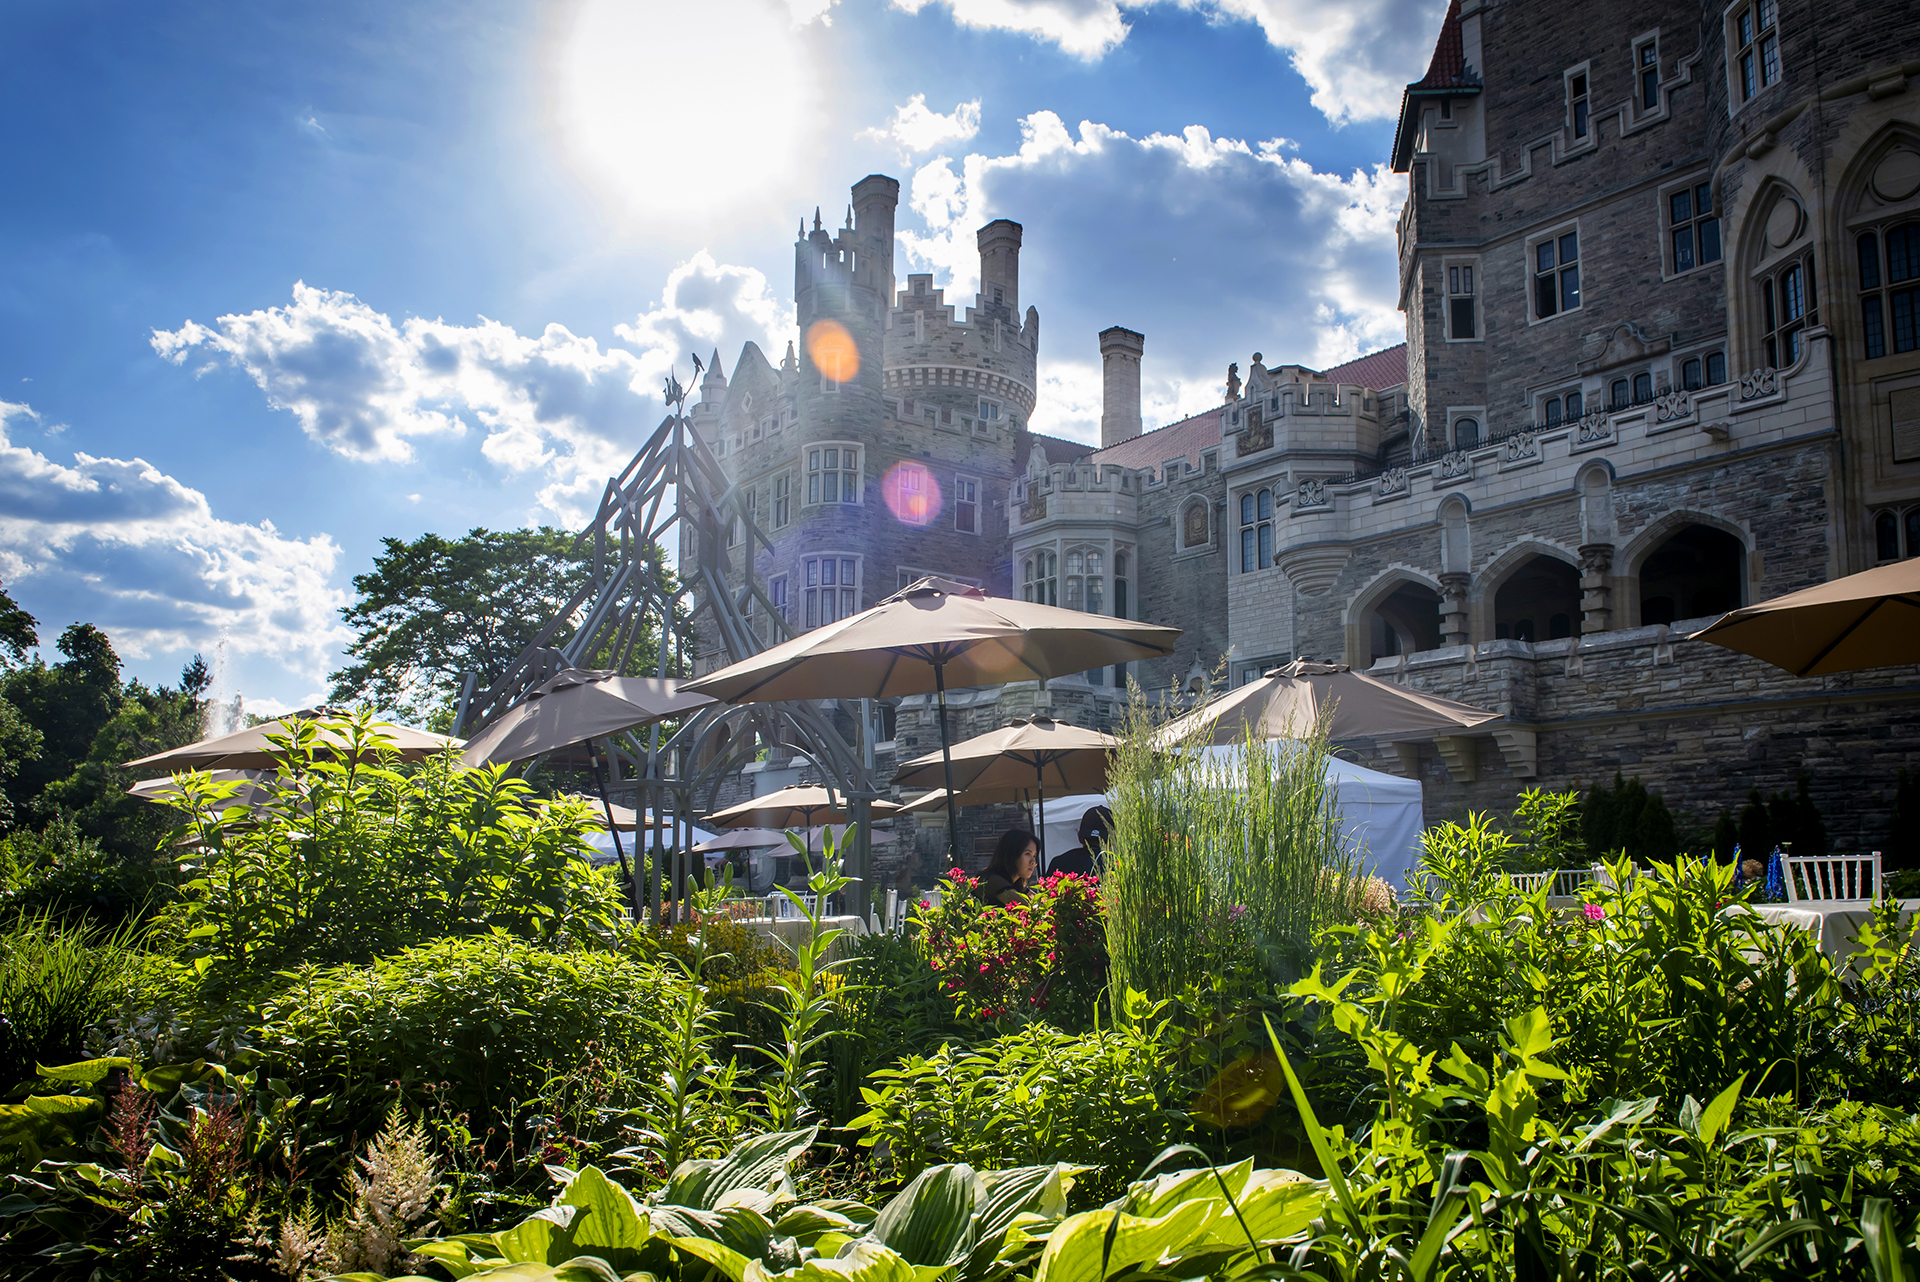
(1233, 381)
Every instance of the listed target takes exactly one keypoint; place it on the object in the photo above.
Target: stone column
(1596, 601)
(1453, 609)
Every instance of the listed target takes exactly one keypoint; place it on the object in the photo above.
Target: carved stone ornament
(1036, 509)
(1393, 481)
(1762, 382)
(1596, 558)
(1194, 523)
(1455, 464)
(1518, 446)
(1593, 427)
(1675, 404)
(1313, 493)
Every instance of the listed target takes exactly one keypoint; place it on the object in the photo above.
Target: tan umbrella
(166, 790)
(801, 806)
(1040, 753)
(1865, 620)
(1288, 701)
(249, 749)
(928, 635)
(623, 818)
(573, 708)
(743, 839)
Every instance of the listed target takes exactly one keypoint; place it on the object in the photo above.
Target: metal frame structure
(675, 484)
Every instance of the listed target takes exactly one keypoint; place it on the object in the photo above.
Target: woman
(1009, 874)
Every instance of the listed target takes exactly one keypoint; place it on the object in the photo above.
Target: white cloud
(120, 544)
(1084, 28)
(366, 387)
(915, 127)
(1212, 247)
(1355, 56)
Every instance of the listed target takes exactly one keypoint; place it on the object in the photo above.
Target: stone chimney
(1120, 387)
(1000, 269)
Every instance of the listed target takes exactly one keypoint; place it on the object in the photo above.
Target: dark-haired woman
(1009, 874)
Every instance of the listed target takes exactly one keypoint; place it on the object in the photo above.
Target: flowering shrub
(1044, 955)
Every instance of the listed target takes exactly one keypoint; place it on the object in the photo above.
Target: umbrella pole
(1040, 829)
(599, 781)
(946, 760)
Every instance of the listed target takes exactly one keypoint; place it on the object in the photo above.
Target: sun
(685, 113)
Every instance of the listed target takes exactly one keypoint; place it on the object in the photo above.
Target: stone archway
(1698, 571)
(1398, 613)
(1538, 600)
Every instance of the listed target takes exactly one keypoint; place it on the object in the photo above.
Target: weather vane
(675, 395)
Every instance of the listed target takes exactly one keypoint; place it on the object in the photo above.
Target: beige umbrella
(743, 839)
(1865, 620)
(249, 749)
(1288, 701)
(1040, 753)
(801, 806)
(166, 790)
(928, 635)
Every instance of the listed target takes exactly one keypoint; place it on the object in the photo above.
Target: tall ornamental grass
(1223, 860)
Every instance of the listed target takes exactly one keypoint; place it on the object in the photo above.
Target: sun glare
(685, 112)
(831, 348)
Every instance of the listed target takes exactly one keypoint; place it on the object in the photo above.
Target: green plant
(60, 871)
(1626, 817)
(56, 981)
(891, 1006)
(1107, 1100)
(1548, 835)
(805, 1000)
(351, 861)
(1042, 957)
(1461, 862)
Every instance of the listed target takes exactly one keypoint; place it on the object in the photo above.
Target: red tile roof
(1447, 74)
(1061, 450)
(1185, 439)
(1382, 369)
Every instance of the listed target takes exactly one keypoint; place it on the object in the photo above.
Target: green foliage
(471, 1026)
(1220, 862)
(1628, 818)
(1042, 957)
(891, 1006)
(1548, 832)
(348, 862)
(17, 630)
(56, 981)
(145, 721)
(805, 999)
(1105, 1100)
(67, 703)
(73, 877)
(1462, 862)
(1726, 835)
(20, 742)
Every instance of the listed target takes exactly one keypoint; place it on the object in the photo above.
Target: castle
(1660, 269)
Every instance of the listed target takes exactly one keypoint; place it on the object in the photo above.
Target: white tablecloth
(792, 931)
(1834, 923)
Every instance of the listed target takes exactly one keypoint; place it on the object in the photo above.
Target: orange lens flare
(911, 493)
(833, 350)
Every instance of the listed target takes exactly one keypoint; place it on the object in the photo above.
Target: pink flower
(926, 903)
(983, 968)
(1596, 913)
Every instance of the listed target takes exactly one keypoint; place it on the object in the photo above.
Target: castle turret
(1120, 351)
(1000, 269)
(875, 197)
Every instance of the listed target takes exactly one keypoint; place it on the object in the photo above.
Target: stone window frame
(1255, 508)
(1040, 567)
(1663, 217)
(961, 483)
(1704, 359)
(811, 615)
(1551, 409)
(1462, 270)
(1082, 579)
(1737, 96)
(992, 410)
(1642, 70)
(1577, 125)
(1776, 287)
(777, 593)
(781, 492)
(1876, 300)
(1478, 414)
(1905, 522)
(858, 472)
(1531, 265)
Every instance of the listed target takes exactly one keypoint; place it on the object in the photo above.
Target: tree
(434, 609)
(17, 629)
(67, 703)
(147, 720)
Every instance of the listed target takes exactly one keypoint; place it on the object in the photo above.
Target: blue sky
(277, 281)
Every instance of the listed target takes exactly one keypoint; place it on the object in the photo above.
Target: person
(1088, 859)
(1009, 874)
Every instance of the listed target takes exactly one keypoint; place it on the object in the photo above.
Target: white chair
(778, 905)
(1573, 881)
(891, 919)
(1832, 877)
(1530, 883)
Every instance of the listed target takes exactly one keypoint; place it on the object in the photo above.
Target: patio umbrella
(1288, 701)
(249, 749)
(577, 706)
(1041, 753)
(166, 790)
(742, 839)
(801, 806)
(1865, 620)
(928, 634)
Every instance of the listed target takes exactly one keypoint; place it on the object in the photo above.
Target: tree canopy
(17, 629)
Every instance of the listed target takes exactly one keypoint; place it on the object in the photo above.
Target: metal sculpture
(676, 486)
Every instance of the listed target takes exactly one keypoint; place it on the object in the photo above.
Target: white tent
(1380, 813)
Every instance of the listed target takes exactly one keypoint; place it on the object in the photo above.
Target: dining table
(1835, 923)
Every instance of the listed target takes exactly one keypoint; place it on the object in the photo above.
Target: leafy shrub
(892, 1006)
(1041, 957)
(1626, 817)
(350, 862)
(1462, 862)
(59, 871)
(56, 982)
(473, 1026)
(1547, 832)
(1105, 1099)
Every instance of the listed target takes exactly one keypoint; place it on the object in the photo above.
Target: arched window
(1256, 530)
(1466, 433)
(1642, 388)
(1617, 395)
(1406, 622)
(1890, 290)
(1697, 572)
(1040, 579)
(1120, 586)
(1787, 310)
(1096, 583)
(1537, 602)
(1886, 537)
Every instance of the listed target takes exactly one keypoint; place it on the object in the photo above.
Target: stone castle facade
(1661, 273)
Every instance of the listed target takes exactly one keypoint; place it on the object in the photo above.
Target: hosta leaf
(1097, 1244)
(1163, 1193)
(90, 1071)
(608, 1222)
(541, 1238)
(930, 1221)
(864, 1261)
(806, 1223)
(757, 1165)
(458, 1256)
(728, 1261)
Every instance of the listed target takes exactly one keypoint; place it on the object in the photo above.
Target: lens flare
(911, 494)
(833, 350)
